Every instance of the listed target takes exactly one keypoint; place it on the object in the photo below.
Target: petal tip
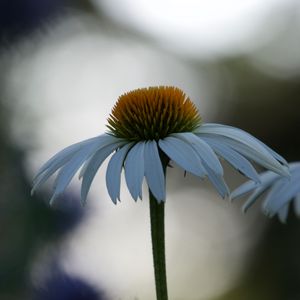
(244, 209)
(53, 199)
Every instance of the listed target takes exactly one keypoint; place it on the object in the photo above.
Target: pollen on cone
(153, 113)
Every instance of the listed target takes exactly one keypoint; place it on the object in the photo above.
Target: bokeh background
(63, 64)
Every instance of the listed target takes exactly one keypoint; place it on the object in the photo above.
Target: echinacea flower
(281, 192)
(153, 124)
(148, 128)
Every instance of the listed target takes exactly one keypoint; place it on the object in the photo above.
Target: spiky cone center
(152, 114)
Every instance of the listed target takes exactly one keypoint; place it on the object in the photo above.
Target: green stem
(157, 217)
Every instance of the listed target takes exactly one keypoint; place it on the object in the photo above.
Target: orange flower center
(153, 113)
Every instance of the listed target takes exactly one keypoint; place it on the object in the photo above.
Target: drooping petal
(295, 167)
(60, 159)
(43, 177)
(65, 153)
(282, 192)
(254, 196)
(234, 158)
(183, 154)
(271, 151)
(94, 164)
(283, 212)
(245, 144)
(266, 179)
(276, 187)
(154, 171)
(84, 167)
(135, 169)
(203, 150)
(218, 182)
(67, 172)
(263, 159)
(106, 141)
(113, 172)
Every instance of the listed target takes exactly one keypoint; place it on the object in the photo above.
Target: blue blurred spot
(18, 16)
(62, 286)
(68, 212)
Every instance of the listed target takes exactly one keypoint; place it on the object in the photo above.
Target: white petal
(273, 153)
(234, 158)
(67, 172)
(64, 154)
(243, 143)
(154, 171)
(282, 192)
(218, 182)
(253, 197)
(294, 168)
(94, 164)
(183, 154)
(266, 179)
(43, 177)
(58, 160)
(263, 159)
(204, 151)
(106, 140)
(113, 172)
(134, 170)
(283, 212)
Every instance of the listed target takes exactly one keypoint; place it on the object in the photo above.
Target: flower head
(152, 114)
(281, 192)
(147, 128)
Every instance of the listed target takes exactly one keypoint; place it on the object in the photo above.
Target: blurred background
(63, 65)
